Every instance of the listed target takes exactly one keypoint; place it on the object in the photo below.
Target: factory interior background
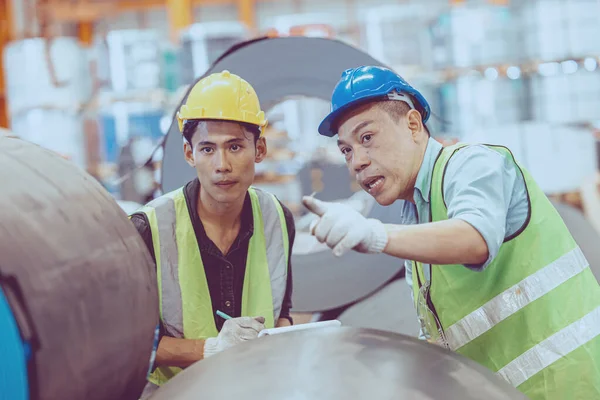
(99, 81)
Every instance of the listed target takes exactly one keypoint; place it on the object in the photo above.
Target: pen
(223, 315)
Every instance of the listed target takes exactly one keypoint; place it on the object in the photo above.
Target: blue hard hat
(358, 85)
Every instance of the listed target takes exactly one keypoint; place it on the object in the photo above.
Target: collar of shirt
(423, 182)
(412, 213)
(422, 185)
(192, 192)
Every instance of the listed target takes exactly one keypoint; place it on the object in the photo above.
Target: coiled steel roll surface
(77, 277)
(337, 363)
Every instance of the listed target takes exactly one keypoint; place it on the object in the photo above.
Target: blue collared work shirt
(482, 187)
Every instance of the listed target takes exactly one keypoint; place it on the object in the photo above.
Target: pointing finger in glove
(344, 228)
(323, 227)
(315, 206)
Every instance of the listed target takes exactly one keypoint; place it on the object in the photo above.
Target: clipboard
(301, 327)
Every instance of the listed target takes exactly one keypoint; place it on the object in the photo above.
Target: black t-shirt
(224, 272)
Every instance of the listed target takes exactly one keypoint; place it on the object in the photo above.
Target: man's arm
(446, 242)
(180, 353)
(478, 188)
(285, 318)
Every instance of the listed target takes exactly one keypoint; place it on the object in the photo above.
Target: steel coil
(337, 363)
(78, 279)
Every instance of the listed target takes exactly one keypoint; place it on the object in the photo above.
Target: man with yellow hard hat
(222, 247)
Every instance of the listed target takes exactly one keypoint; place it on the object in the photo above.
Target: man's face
(384, 154)
(223, 154)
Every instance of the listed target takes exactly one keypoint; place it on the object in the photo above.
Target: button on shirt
(224, 272)
(482, 187)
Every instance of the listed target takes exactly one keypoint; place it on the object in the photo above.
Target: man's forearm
(180, 353)
(453, 241)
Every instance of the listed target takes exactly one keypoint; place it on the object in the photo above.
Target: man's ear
(261, 149)
(415, 124)
(188, 153)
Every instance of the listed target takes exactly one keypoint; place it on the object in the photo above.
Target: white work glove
(343, 228)
(234, 331)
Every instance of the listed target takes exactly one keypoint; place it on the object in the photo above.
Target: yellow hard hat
(222, 96)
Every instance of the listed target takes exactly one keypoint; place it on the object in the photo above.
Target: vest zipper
(428, 299)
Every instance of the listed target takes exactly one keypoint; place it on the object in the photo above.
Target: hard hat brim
(261, 122)
(326, 127)
(225, 119)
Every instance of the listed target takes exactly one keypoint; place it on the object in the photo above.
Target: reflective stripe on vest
(515, 298)
(532, 316)
(185, 304)
(552, 349)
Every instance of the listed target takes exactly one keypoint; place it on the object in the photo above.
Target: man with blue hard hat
(495, 274)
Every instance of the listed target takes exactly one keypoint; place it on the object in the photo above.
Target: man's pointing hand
(343, 228)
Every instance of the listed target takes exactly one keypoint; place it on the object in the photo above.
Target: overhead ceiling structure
(337, 363)
(278, 68)
(78, 295)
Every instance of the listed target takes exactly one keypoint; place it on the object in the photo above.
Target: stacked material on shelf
(48, 83)
(395, 35)
(133, 59)
(141, 70)
(203, 43)
(558, 29)
(542, 147)
(480, 101)
(565, 92)
(41, 73)
(473, 35)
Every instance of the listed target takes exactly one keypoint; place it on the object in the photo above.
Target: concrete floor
(390, 309)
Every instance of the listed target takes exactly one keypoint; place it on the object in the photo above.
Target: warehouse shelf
(566, 65)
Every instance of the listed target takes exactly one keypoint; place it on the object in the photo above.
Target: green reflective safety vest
(185, 305)
(532, 316)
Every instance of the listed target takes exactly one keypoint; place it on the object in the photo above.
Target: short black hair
(190, 126)
(398, 109)
(394, 108)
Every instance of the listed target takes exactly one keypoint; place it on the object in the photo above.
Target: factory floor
(390, 309)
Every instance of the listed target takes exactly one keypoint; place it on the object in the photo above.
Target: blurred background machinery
(99, 82)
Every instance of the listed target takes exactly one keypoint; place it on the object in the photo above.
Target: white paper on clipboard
(311, 325)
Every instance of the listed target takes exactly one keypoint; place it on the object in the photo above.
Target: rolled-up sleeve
(478, 185)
